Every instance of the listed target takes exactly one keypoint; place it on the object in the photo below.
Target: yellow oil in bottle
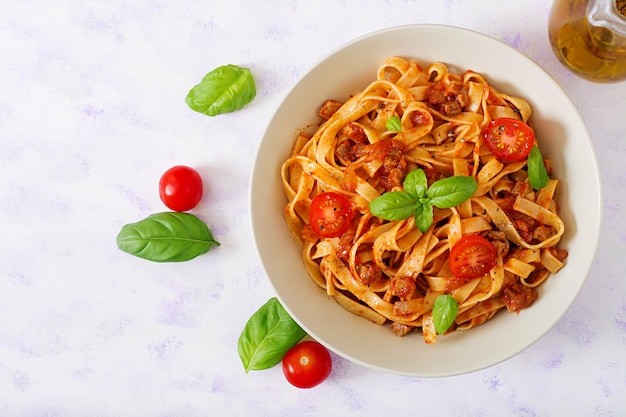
(596, 53)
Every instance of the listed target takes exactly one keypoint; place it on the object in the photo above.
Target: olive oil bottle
(589, 37)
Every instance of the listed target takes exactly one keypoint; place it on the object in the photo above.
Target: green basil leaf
(394, 124)
(445, 310)
(423, 212)
(267, 336)
(451, 191)
(537, 173)
(394, 205)
(166, 237)
(415, 184)
(225, 89)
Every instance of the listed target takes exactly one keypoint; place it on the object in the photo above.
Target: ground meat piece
(344, 151)
(451, 108)
(351, 148)
(542, 233)
(463, 97)
(525, 225)
(518, 296)
(559, 254)
(403, 287)
(499, 241)
(393, 169)
(448, 97)
(329, 108)
(400, 329)
(354, 132)
(369, 273)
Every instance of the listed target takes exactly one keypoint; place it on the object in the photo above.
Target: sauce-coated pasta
(390, 271)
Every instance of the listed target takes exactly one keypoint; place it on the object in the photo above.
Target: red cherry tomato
(180, 188)
(471, 257)
(330, 214)
(307, 364)
(509, 139)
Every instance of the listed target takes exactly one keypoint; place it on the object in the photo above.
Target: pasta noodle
(353, 153)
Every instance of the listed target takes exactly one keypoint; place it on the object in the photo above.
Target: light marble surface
(92, 112)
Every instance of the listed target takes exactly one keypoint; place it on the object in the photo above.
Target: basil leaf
(537, 173)
(267, 336)
(415, 184)
(393, 124)
(225, 89)
(445, 310)
(166, 237)
(394, 205)
(423, 215)
(451, 191)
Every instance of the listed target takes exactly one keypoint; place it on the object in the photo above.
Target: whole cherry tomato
(307, 364)
(180, 188)
(330, 214)
(509, 139)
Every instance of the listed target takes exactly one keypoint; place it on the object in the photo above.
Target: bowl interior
(561, 134)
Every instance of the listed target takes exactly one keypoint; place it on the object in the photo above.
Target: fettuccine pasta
(390, 272)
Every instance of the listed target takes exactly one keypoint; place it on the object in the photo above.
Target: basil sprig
(537, 173)
(445, 310)
(267, 336)
(166, 237)
(225, 89)
(394, 124)
(418, 199)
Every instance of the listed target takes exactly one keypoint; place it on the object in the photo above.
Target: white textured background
(92, 112)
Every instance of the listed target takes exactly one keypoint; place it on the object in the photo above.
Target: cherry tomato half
(471, 257)
(307, 364)
(180, 188)
(509, 139)
(330, 214)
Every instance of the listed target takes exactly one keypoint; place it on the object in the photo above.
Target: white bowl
(563, 137)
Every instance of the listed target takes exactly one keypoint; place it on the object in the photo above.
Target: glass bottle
(589, 37)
